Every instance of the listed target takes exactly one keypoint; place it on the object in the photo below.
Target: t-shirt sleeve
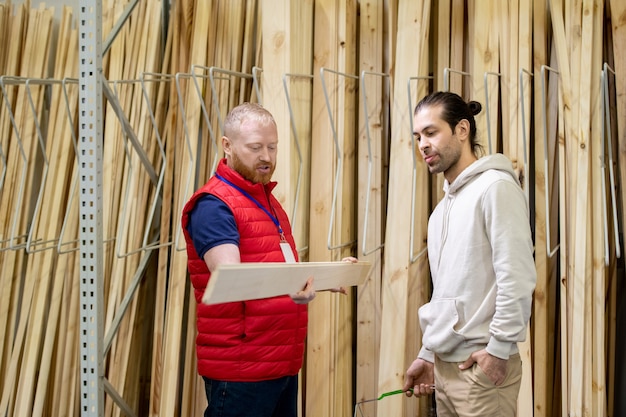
(211, 223)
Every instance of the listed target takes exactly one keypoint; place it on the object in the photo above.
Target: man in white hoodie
(480, 252)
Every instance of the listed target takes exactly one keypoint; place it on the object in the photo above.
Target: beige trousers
(470, 393)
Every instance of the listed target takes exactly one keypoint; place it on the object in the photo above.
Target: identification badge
(287, 253)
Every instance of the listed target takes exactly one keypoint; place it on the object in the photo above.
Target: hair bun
(474, 107)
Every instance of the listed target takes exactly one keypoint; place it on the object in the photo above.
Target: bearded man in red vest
(249, 353)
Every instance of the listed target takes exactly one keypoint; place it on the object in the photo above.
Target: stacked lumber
(347, 166)
(24, 160)
(34, 314)
(578, 46)
(131, 159)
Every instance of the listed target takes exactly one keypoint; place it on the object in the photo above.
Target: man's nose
(265, 154)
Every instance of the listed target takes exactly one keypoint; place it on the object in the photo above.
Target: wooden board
(329, 359)
(250, 281)
(412, 32)
(544, 306)
(371, 188)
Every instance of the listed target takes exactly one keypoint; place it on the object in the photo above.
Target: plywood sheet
(250, 281)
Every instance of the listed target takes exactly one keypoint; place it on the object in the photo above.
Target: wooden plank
(419, 274)
(556, 12)
(442, 42)
(566, 293)
(300, 91)
(484, 47)
(191, 388)
(5, 14)
(277, 49)
(581, 141)
(250, 281)
(618, 26)
(370, 201)
(412, 33)
(521, 154)
(164, 117)
(618, 33)
(598, 292)
(346, 114)
(458, 47)
(543, 316)
(113, 162)
(328, 357)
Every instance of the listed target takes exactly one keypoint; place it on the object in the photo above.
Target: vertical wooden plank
(598, 291)
(508, 49)
(329, 337)
(328, 346)
(556, 13)
(458, 46)
(413, 21)
(442, 42)
(277, 36)
(319, 396)
(346, 117)
(524, 46)
(543, 309)
(300, 91)
(618, 32)
(484, 47)
(618, 26)
(283, 53)
(164, 124)
(581, 352)
(370, 200)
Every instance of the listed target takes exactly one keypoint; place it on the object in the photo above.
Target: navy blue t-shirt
(211, 223)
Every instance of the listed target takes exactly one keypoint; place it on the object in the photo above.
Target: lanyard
(254, 200)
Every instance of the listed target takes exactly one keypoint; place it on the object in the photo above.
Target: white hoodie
(481, 260)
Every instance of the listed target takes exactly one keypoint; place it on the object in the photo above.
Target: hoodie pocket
(437, 320)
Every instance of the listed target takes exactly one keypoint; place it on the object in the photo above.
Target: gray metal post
(90, 208)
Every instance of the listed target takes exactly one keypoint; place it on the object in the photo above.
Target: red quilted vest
(252, 340)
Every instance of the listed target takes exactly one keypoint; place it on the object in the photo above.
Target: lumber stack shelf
(110, 117)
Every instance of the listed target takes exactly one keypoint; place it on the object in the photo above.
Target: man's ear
(462, 129)
(226, 145)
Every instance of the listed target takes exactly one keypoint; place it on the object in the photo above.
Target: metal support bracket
(368, 190)
(550, 251)
(338, 156)
(607, 132)
(413, 256)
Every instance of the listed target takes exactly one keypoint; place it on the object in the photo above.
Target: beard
(445, 159)
(251, 173)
